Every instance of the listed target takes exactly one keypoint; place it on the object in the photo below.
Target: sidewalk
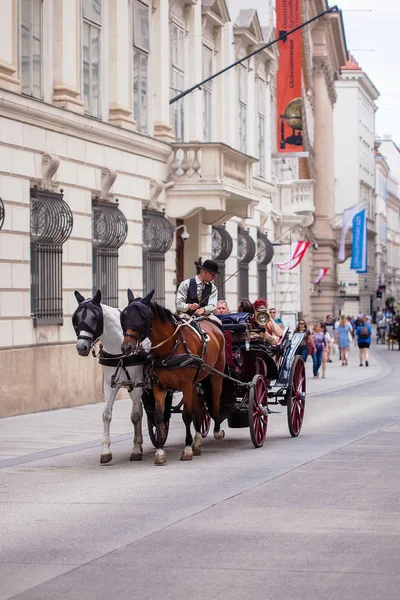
(81, 427)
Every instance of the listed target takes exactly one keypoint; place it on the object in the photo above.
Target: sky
(373, 37)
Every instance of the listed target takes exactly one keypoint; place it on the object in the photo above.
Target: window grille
(2, 213)
(31, 47)
(91, 56)
(265, 253)
(207, 94)
(246, 252)
(109, 231)
(221, 250)
(158, 234)
(141, 49)
(51, 226)
(178, 80)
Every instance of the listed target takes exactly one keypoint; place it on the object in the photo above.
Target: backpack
(364, 333)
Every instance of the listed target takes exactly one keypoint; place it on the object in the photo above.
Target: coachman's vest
(192, 298)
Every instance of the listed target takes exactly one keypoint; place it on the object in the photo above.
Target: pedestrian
(319, 342)
(326, 349)
(278, 321)
(307, 342)
(330, 327)
(343, 332)
(363, 334)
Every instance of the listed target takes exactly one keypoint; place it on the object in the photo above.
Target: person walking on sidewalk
(307, 342)
(320, 343)
(326, 349)
(343, 333)
(363, 334)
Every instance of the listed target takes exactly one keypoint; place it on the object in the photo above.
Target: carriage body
(258, 375)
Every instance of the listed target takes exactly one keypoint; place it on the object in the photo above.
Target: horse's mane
(165, 315)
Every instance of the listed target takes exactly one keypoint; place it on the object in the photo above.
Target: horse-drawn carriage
(227, 373)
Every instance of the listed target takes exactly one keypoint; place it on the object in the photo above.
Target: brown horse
(171, 338)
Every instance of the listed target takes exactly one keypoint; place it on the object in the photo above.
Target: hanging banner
(321, 275)
(348, 216)
(289, 78)
(359, 243)
(297, 251)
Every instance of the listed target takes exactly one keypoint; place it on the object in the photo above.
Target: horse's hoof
(135, 457)
(197, 451)
(186, 456)
(106, 458)
(219, 435)
(160, 458)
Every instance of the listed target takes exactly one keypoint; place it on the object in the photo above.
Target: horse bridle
(95, 333)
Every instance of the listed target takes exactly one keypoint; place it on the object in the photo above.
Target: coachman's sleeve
(181, 295)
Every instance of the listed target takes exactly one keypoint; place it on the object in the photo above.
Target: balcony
(213, 178)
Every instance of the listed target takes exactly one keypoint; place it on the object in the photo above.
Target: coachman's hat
(211, 266)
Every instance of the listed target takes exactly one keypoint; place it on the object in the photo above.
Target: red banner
(289, 99)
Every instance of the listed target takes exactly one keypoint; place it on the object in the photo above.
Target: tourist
(307, 342)
(342, 333)
(319, 342)
(363, 334)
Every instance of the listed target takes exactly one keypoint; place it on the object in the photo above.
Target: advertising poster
(289, 82)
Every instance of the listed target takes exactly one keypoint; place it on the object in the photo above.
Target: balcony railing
(297, 196)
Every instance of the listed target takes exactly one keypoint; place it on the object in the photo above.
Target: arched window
(158, 234)
(221, 250)
(246, 252)
(51, 226)
(265, 253)
(109, 231)
(2, 213)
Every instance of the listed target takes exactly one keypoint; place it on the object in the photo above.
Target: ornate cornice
(108, 176)
(323, 67)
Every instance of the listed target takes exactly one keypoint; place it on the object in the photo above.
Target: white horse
(95, 321)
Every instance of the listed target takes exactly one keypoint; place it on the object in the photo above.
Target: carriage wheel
(258, 411)
(151, 426)
(205, 422)
(296, 396)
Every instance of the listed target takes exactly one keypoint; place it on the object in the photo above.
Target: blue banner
(359, 243)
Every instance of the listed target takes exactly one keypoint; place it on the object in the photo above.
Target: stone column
(324, 188)
(160, 69)
(66, 28)
(8, 46)
(120, 59)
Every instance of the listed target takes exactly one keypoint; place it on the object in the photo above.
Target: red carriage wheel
(296, 396)
(205, 422)
(258, 411)
(151, 426)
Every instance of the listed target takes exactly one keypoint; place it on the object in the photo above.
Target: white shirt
(181, 295)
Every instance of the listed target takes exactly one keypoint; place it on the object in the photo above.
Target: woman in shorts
(363, 334)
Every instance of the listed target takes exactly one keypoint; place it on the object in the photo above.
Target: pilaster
(160, 64)
(120, 46)
(8, 47)
(66, 92)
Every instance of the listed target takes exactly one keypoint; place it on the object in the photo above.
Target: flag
(289, 78)
(321, 275)
(359, 243)
(348, 216)
(297, 251)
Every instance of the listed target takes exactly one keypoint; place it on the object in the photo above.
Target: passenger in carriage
(271, 332)
(222, 308)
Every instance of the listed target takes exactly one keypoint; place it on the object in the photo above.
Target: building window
(178, 80)
(246, 251)
(91, 56)
(109, 231)
(141, 49)
(242, 85)
(51, 226)
(31, 51)
(158, 235)
(207, 94)
(261, 101)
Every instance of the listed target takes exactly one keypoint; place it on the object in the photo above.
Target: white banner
(348, 216)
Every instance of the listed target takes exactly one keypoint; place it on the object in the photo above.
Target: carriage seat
(235, 327)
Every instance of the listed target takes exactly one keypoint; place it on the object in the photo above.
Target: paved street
(314, 517)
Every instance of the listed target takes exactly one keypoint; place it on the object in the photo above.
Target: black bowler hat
(211, 266)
